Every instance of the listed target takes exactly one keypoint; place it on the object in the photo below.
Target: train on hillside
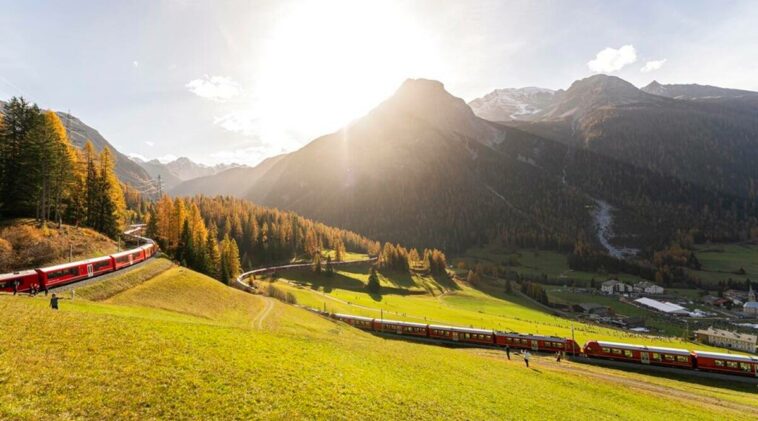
(740, 365)
(49, 277)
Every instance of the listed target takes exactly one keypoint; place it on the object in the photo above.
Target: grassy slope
(721, 261)
(183, 346)
(464, 306)
(24, 245)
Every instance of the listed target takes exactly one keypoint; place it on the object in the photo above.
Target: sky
(238, 81)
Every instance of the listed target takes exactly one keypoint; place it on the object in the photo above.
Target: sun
(326, 63)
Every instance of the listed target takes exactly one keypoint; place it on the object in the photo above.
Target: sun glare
(326, 63)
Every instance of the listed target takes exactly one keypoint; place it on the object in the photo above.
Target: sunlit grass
(182, 345)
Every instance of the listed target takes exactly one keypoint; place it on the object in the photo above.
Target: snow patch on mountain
(512, 104)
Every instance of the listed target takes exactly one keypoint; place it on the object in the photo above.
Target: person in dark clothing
(15, 286)
(44, 288)
(54, 302)
(508, 351)
(558, 356)
(527, 356)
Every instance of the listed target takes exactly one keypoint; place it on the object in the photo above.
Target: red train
(66, 273)
(462, 334)
(740, 365)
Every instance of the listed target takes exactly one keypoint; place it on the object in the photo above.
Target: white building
(613, 286)
(750, 308)
(663, 307)
(727, 339)
(648, 288)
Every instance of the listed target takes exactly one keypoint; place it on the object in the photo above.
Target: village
(729, 320)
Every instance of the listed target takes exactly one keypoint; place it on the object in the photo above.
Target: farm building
(727, 339)
(613, 287)
(648, 287)
(663, 307)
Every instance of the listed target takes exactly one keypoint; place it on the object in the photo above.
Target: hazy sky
(223, 81)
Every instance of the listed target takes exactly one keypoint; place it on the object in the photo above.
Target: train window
(101, 265)
(718, 363)
(606, 350)
(682, 358)
(616, 351)
(656, 356)
(63, 272)
(745, 367)
(668, 357)
(731, 364)
(628, 353)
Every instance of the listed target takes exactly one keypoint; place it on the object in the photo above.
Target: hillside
(183, 346)
(24, 245)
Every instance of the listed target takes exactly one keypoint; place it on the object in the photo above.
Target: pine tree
(184, 249)
(213, 263)
(329, 266)
(92, 187)
(373, 282)
(316, 262)
(19, 159)
(112, 205)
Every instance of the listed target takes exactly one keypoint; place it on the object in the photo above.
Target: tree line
(42, 175)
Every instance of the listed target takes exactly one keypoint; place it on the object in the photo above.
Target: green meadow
(180, 345)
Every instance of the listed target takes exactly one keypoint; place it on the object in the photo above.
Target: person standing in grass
(16, 283)
(527, 355)
(54, 302)
(508, 351)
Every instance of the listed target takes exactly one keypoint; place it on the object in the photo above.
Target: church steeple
(750, 293)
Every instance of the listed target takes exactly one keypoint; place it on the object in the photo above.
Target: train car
(401, 328)
(149, 250)
(365, 323)
(128, 258)
(54, 276)
(537, 342)
(668, 357)
(462, 334)
(741, 365)
(25, 279)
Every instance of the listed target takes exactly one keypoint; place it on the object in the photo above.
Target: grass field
(489, 307)
(181, 345)
(723, 261)
(537, 263)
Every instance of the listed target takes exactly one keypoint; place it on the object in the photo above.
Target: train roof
(350, 316)
(462, 329)
(126, 252)
(528, 336)
(74, 264)
(19, 274)
(721, 355)
(398, 322)
(676, 351)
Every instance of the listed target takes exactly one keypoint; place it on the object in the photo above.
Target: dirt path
(261, 317)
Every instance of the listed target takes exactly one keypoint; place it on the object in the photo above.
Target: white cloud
(652, 65)
(243, 122)
(135, 63)
(216, 88)
(611, 59)
(149, 143)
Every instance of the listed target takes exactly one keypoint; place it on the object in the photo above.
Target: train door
(455, 336)
(399, 330)
(90, 271)
(535, 345)
(131, 260)
(645, 357)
